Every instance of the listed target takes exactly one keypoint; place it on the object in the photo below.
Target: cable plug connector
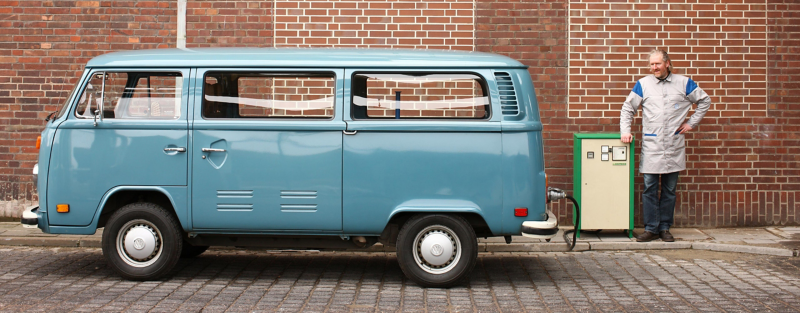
(555, 194)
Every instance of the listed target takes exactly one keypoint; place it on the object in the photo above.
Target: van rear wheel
(437, 250)
(142, 241)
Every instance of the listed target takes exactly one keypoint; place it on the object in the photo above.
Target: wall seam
(274, 5)
(569, 58)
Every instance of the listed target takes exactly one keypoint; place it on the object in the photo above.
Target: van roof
(300, 57)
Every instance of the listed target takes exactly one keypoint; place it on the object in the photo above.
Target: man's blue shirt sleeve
(690, 86)
(638, 88)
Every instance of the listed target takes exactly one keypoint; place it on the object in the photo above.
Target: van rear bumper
(29, 217)
(541, 229)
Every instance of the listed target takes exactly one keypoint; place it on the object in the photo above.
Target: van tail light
(38, 142)
(521, 212)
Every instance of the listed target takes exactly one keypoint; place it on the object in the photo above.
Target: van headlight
(35, 176)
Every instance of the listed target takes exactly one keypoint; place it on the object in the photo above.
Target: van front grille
(508, 96)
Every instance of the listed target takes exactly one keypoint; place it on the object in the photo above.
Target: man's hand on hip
(684, 128)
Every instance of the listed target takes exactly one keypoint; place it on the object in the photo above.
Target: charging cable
(558, 194)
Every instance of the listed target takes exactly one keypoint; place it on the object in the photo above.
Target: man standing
(666, 99)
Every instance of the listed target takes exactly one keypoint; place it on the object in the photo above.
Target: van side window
(268, 95)
(419, 96)
(132, 95)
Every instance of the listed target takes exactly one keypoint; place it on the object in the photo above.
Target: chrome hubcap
(437, 249)
(139, 243)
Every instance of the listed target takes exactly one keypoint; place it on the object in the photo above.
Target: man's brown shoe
(666, 236)
(646, 236)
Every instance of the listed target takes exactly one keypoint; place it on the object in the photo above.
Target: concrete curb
(91, 243)
(94, 242)
(40, 241)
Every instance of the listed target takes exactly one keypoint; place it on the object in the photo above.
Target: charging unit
(603, 182)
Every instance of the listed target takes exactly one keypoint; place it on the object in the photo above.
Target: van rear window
(268, 95)
(419, 96)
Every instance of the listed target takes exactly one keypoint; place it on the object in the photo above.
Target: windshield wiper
(49, 116)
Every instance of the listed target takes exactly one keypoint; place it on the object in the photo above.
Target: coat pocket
(678, 141)
(651, 140)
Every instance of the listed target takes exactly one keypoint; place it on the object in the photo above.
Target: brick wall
(778, 135)
(735, 166)
(43, 48)
(584, 57)
(742, 163)
(437, 24)
(220, 23)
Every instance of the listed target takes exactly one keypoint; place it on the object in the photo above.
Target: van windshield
(63, 108)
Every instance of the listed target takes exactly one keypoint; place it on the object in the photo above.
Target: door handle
(350, 133)
(212, 150)
(178, 149)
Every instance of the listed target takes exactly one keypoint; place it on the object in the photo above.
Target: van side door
(267, 150)
(128, 128)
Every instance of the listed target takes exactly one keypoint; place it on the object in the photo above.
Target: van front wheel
(142, 241)
(437, 250)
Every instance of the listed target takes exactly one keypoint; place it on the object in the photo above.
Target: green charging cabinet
(603, 182)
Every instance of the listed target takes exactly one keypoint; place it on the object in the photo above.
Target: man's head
(659, 63)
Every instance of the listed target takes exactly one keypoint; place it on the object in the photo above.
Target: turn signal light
(546, 187)
(521, 212)
(62, 208)
(38, 142)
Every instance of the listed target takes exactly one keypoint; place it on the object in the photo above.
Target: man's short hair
(664, 56)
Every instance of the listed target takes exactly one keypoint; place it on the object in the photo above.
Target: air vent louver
(508, 96)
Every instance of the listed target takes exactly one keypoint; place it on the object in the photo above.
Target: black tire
(445, 268)
(190, 251)
(132, 231)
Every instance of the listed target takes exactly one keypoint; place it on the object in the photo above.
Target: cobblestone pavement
(78, 279)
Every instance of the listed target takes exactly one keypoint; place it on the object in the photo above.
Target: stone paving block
(585, 237)
(760, 241)
(514, 239)
(688, 234)
(20, 232)
(785, 232)
(615, 236)
(740, 234)
(535, 247)
(742, 249)
(658, 245)
(41, 234)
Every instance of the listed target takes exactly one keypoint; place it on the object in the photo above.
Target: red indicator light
(521, 212)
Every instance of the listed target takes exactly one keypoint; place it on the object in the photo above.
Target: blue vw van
(175, 150)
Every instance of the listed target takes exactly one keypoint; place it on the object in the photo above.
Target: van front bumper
(541, 229)
(29, 217)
